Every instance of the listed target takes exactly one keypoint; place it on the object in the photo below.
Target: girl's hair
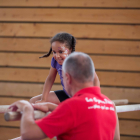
(66, 38)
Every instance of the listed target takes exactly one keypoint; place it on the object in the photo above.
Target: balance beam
(15, 116)
(12, 116)
(127, 108)
(4, 108)
(120, 102)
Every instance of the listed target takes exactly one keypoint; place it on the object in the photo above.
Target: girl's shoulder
(53, 60)
(55, 64)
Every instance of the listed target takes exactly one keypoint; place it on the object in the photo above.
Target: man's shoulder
(72, 102)
(105, 97)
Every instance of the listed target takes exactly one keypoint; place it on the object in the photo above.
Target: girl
(62, 44)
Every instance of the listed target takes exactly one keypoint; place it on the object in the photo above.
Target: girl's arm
(48, 84)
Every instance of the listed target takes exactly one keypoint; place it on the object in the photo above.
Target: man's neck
(79, 86)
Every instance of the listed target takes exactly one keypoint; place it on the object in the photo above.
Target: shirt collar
(92, 90)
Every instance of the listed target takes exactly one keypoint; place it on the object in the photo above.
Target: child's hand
(40, 101)
(45, 107)
(41, 106)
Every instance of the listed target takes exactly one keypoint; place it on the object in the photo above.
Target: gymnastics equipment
(4, 108)
(12, 116)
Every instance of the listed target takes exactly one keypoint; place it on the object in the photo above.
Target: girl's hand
(45, 107)
(40, 101)
(41, 106)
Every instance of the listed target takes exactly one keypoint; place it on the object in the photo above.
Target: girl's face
(60, 51)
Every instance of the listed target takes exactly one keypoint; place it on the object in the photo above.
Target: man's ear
(68, 78)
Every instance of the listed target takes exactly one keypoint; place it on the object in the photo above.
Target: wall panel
(78, 30)
(122, 63)
(107, 78)
(70, 15)
(72, 3)
(111, 47)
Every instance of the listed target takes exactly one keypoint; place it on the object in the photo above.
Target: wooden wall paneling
(130, 115)
(129, 138)
(132, 94)
(86, 46)
(108, 47)
(77, 30)
(128, 127)
(25, 44)
(101, 62)
(26, 75)
(72, 3)
(12, 133)
(24, 60)
(70, 15)
(116, 63)
(39, 75)
(10, 100)
(29, 90)
(119, 79)
(23, 89)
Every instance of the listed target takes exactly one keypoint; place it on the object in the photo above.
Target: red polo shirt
(87, 115)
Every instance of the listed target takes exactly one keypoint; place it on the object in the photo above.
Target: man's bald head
(80, 66)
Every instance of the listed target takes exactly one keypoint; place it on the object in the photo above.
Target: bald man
(87, 115)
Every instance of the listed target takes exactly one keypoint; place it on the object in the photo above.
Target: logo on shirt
(100, 104)
(105, 101)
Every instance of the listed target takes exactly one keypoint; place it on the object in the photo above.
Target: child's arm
(96, 80)
(48, 84)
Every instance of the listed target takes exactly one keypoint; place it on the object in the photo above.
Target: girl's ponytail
(73, 44)
(48, 54)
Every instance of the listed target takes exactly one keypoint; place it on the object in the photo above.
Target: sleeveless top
(58, 67)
